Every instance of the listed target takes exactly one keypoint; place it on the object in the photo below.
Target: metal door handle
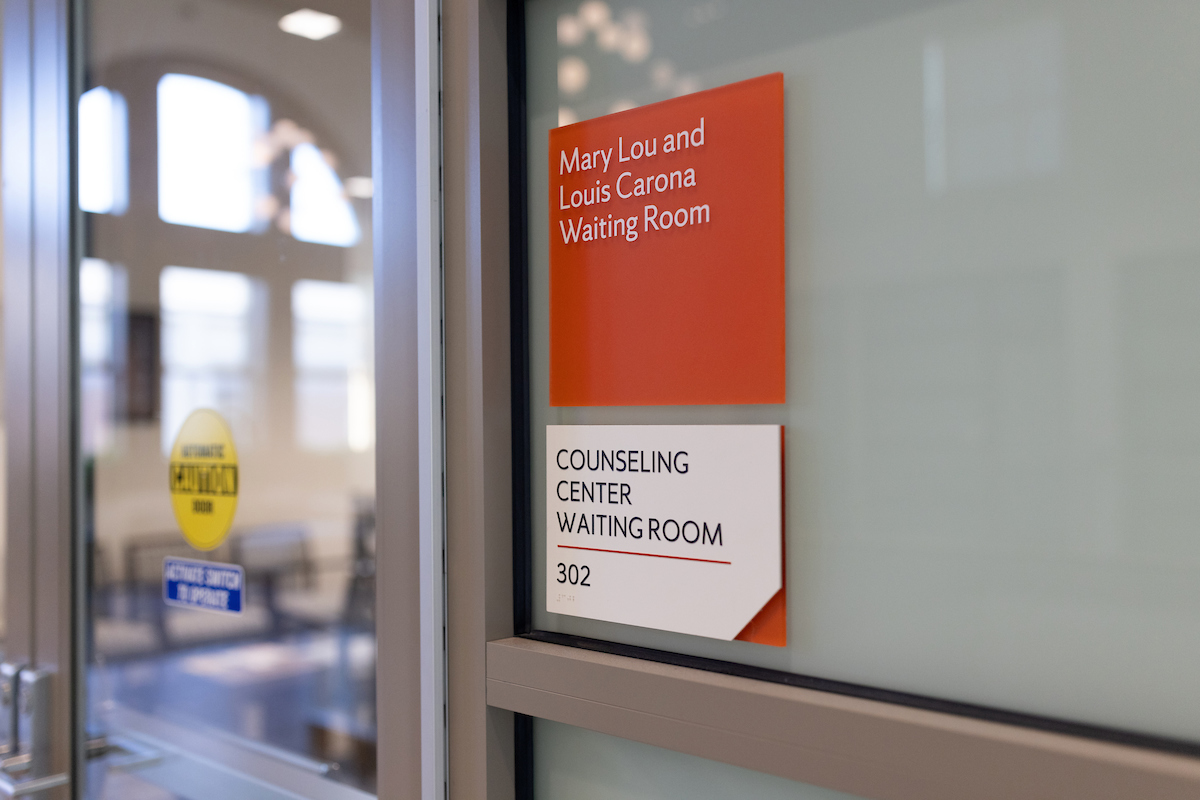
(24, 695)
(21, 788)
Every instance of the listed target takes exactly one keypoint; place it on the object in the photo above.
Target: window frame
(843, 736)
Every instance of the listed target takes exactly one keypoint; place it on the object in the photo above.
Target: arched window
(207, 172)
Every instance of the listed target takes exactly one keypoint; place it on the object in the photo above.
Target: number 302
(576, 576)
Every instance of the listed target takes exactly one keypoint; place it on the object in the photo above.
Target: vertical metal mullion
(518, 276)
(18, 328)
(431, 396)
(38, 352)
(404, 593)
(53, 564)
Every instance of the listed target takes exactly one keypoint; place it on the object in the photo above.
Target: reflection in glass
(993, 106)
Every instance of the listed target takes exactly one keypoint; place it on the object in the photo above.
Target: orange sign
(667, 252)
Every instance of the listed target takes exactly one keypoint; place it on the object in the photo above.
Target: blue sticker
(203, 584)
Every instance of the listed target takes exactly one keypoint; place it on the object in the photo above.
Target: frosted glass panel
(993, 416)
(576, 764)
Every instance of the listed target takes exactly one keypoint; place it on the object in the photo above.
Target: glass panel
(993, 287)
(579, 764)
(223, 172)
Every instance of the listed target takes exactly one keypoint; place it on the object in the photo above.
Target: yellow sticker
(204, 479)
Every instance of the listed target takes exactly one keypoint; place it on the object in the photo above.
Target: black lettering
(220, 480)
(565, 522)
(558, 490)
(713, 538)
(685, 536)
(653, 531)
(558, 459)
(625, 494)
(664, 530)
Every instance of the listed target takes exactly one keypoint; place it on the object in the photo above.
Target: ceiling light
(310, 24)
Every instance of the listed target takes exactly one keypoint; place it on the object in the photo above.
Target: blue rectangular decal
(203, 584)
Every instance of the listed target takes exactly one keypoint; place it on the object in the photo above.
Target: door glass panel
(993, 287)
(579, 764)
(224, 163)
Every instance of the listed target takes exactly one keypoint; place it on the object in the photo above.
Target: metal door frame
(44, 560)
(39, 335)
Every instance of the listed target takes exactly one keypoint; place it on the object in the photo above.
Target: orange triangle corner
(769, 625)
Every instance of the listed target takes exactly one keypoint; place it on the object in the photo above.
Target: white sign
(675, 527)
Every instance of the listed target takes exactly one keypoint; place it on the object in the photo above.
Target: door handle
(28, 786)
(10, 676)
(25, 702)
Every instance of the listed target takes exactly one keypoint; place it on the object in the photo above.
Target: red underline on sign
(651, 555)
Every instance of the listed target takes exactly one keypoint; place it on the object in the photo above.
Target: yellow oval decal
(204, 479)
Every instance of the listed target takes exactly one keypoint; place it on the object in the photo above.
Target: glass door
(190, 407)
(195, 250)
(226, 391)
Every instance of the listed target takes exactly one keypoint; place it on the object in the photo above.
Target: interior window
(207, 327)
(320, 212)
(333, 388)
(100, 297)
(207, 172)
(103, 152)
